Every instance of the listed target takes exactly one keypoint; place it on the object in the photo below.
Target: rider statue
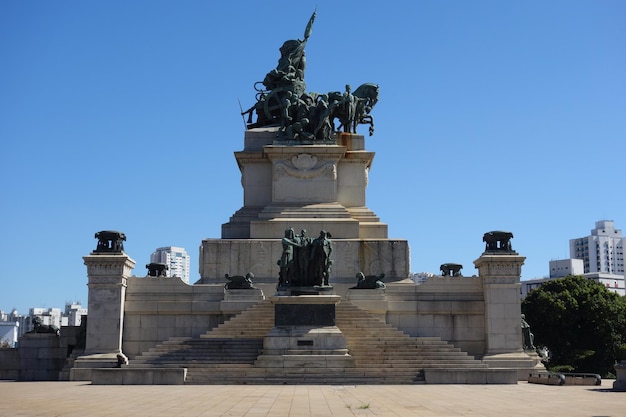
(307, 117)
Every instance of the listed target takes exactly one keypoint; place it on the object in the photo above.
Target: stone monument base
(298, 291)
(83, 365)
(259, 256)
(523, 362)
(237, 300)
(304, 335)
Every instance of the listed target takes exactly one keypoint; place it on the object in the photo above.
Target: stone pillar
(107, 274)
(500, 274)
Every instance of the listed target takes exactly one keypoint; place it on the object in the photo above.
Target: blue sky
(121, 115)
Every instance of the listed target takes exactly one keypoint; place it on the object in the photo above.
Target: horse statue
(354, 108)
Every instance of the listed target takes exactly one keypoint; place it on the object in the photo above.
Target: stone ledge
(546, 379)
(145, 376)
(470, 376)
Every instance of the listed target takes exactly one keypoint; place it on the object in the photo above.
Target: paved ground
(74, 399)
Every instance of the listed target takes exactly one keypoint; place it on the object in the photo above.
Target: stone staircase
(382, 354)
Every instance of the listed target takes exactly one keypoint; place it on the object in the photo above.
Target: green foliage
(580, 321)
(621, 352)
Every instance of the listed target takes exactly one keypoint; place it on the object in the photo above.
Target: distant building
(603, 255)
(176, 259)
(602, 251)
(74, 313)
(563, 267)
(9, 332)
(530, 285)
(71, 316)
(598, 257)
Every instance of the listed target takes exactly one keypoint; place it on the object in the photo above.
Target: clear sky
(124, 115)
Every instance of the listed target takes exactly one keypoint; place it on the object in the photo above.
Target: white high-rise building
(598, 257)
(603, 255)
(176, 259)
(603, 251)
(74, 313)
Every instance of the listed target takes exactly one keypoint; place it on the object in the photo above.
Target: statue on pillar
(110, 241)
(451, 270)
(304, 117)
(498, 242)
(157, 269)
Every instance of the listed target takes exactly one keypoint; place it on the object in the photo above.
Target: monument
(277, 304)
(304, 168)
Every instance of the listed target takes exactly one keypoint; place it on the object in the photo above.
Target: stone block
(470, 376)
(138, 376)
(304, 315)
(260, 257)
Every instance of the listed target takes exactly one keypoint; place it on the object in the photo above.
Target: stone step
(379, 352)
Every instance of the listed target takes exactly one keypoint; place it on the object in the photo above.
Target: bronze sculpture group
(39, 327)
(498, 241)
(110, 241)
(303, 116)
(369, 282)
(305, 262)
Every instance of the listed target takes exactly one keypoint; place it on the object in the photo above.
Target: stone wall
(158, 308)
(41, 357)
(259, 256)
(9, 363)
(451, 308)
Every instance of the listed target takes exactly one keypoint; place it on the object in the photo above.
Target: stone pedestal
(620, 380)
(41, 357)
(305, 335)
(237, 300)
(313, 187)
(371, 300)
(259, 256)
(107, 292)
(500, 274)
(310, 186)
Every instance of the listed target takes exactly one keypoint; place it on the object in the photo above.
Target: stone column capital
(499, 267)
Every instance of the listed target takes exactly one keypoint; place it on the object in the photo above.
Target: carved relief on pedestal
(107, 269)
(260, 257)
(108, 266)
(505, 268)
(305, 166)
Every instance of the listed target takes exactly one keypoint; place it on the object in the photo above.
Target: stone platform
(259, 256)
(305, 335)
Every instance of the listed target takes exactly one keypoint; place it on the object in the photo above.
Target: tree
(581, 322)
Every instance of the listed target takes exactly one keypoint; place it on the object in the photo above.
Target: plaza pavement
(81, 399)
